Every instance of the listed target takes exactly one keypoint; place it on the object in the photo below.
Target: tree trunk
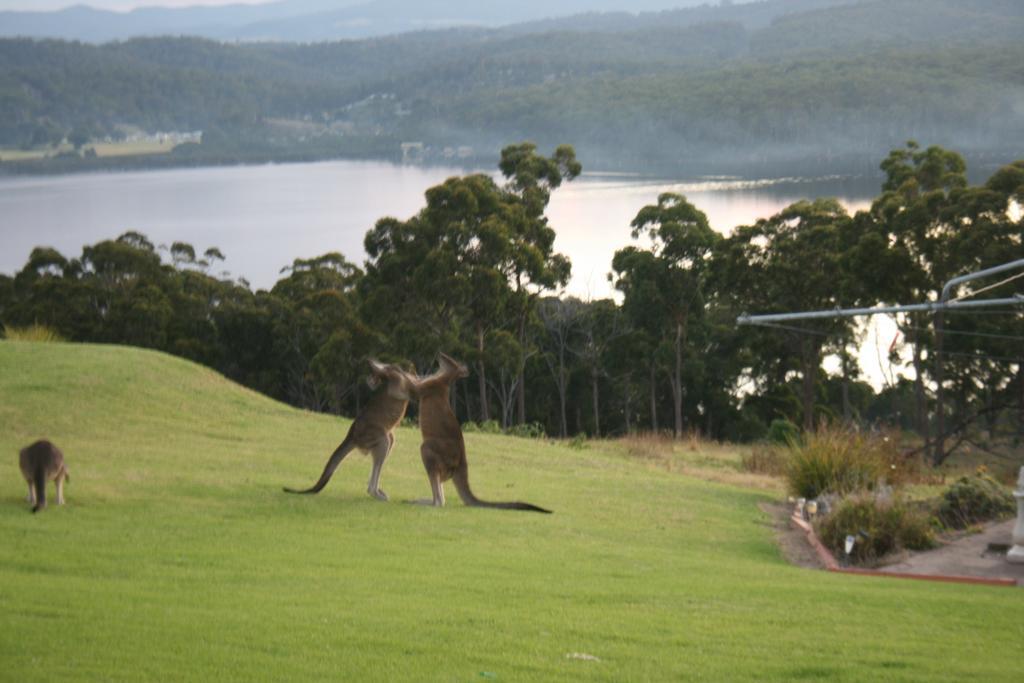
(594, 376)
(521, 379)
(628, 410)
(810, 370)
(562, 391)
(466, 398)
(847, 410)
(677, 379)
(485, 413)
(920, 402)
(939, 453)
(654, 399)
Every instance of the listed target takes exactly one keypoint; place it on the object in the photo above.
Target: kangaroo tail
(337, 456)
(39, 480)
(461, 481)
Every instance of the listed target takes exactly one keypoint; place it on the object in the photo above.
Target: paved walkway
(966, 556)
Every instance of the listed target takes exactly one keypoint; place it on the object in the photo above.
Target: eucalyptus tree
(475, 255)
(917, 213)
(789, 262)
(600, 325)
(666, 283)
(1008, 183)
(319, 336)
(560, 319)
(440, 271)
(535, 267)
(977, 352)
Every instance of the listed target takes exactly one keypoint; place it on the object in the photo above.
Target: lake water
(264, 217)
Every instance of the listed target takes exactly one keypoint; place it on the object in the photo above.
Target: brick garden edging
(829, 560)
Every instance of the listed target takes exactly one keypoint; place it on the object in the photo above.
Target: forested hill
(728, 87)
(302, 20)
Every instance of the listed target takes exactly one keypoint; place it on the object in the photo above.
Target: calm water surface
(263, 217)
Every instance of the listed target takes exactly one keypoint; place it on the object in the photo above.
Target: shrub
(33, 333)
(841, 461)
(490, 427)
(487, 427)
(530, 430)
(783, 432)
(880, 527)
(977, 498)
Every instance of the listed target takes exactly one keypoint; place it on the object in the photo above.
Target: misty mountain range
(726, 86)
(306, 20)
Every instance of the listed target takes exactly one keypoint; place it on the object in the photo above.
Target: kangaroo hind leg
(433, 463)
(379, 453)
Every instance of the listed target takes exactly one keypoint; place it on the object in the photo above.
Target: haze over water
(264, 217)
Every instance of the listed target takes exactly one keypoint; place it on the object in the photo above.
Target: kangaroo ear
(399, 390)
(449, 364)
(377, 367)
(372, 381)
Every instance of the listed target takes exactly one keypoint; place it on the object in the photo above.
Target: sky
(46, 5)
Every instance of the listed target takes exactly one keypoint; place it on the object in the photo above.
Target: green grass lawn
(178, 557)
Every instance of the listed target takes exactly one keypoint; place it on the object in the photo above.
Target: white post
(1016, 554)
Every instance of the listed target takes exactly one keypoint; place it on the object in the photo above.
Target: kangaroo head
(451, 367)
(400, 384)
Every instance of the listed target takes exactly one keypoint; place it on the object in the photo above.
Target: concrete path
(966, 556)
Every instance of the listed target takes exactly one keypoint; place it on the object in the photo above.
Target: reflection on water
(263, 217)
(592, 214)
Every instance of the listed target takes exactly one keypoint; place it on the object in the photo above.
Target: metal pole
(746, 319)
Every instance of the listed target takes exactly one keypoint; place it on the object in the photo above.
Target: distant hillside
(301, 20)
(827, 83)
(894, 22)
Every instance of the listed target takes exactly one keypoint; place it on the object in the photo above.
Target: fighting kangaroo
(444, 450)
(373, 429)
(42, 462)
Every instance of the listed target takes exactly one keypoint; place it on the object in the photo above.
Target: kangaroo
(373, 429)
(41, 462)
(444, 449)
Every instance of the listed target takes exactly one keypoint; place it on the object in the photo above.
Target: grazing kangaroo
(444, 450)
(42, 462)
(373, 429)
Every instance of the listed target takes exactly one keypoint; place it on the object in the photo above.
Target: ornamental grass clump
(878, 524)
(840, 462)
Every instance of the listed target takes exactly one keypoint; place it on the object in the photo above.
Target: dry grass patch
(31, 333)
(698, 457)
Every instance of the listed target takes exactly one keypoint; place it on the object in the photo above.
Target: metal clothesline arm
(1012, 265)
(943, 304)
(745, 319)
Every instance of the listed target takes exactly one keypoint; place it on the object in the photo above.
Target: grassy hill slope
(178, 558)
